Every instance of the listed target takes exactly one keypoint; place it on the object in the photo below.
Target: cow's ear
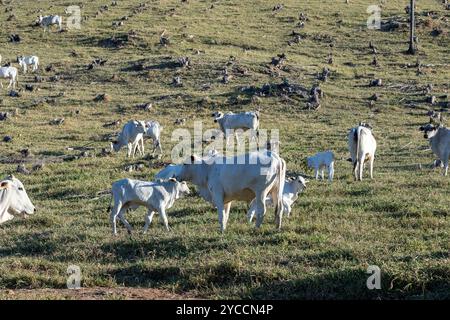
(173, 179)
(192, 158)
(4, 185)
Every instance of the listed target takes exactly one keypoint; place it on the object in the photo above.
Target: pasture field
(399, 221)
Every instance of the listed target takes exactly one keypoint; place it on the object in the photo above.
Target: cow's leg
(260, 201)
(237, 139)
(355, 169)
(372, 159)
(226, 212)
(142, 147)
(113, 216)
(331, 172)
(360, 169)
(129, 149)
(287, 209)
(251, 211)
(148, 219)
(217, 197)
(124, 221)
(135, 147)
(446, 164)
(316, 173)
(163, 217)
(322, 174)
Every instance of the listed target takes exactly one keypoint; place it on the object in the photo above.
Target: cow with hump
(221, 180)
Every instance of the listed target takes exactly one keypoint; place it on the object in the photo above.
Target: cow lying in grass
(14, 200)
(155, 196)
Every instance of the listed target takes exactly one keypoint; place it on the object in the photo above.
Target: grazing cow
(154, 132)
(28, 61)
(362, 146)
(221, 180)
(232, 121)
(439, 137)
(319, 162)
(155, 196)
(48, 21)
(291, 190)
(14, 200)
(170, 171)
(10, 73)
(131, 135)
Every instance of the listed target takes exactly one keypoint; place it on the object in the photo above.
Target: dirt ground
(93, 294)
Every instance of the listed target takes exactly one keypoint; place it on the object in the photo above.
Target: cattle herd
(257, 177)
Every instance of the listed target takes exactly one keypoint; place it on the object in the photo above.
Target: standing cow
(155, 196)
(362, 146)
(132, 134)
(439, 137)
(221, 180)
(230, 121)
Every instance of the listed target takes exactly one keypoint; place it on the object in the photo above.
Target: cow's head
(39, 19)
(366, 125)
(20, 203)
(429, 130)
(115, 146)
(182, 188)
(141, 126)
(302, 182)
(217, 115)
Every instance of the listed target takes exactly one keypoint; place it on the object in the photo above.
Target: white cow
(292, 188)
(14, 200)
(10, 73)
(154, 132)
(229, 122)
(439, 137)
(319, 162)
(48, 21)
(28, 61)
(131, 136)
(221, 180)
(155, 196)
(362, 146)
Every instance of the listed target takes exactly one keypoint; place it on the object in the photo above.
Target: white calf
(48, 21)
(291, 190)
(14, 200)
(131, 136)
(155, 196)
(362, 146)
(439, 137)
(154, 132)
(230, 121)
(28, 61)
(319, 162)
(10, 73)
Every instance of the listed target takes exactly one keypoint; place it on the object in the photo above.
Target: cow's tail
(110, 204)
(281, 176)
(358, 142)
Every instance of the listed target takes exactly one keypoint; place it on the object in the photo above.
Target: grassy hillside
(399, 221)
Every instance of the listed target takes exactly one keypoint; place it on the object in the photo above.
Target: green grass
(399, 221)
